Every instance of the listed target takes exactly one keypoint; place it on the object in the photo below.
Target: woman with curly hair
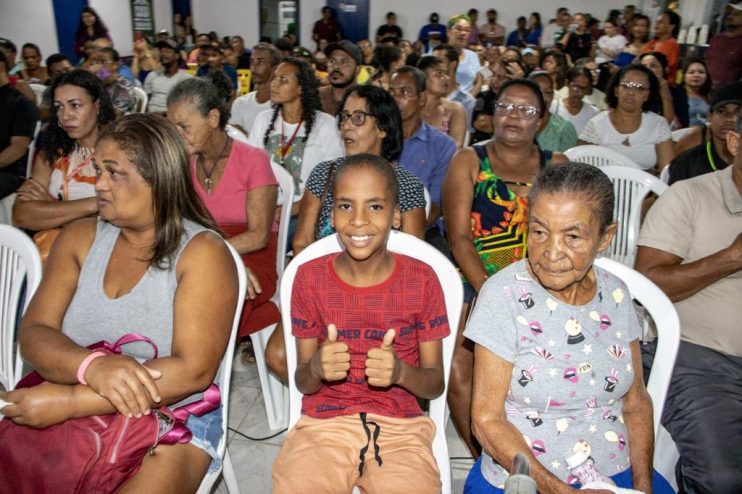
(296, 134)
(89, 29)
(61, 188)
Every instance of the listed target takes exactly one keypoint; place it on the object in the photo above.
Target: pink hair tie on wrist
(85, 364)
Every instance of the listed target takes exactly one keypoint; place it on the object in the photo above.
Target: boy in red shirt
(369, 325)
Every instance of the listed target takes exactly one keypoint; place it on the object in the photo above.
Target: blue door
(353, 16)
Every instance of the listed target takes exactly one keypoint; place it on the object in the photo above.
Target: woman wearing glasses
(467, 72)
(369, 122)
(573, 108)
(484, 206)
(631, 127)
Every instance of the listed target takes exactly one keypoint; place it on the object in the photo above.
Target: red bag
(95, 454)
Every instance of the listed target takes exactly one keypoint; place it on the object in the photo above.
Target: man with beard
(263, 60)
(343, 59)
(158, 83)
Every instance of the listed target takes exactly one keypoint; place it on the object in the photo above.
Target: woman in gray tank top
(150, 265)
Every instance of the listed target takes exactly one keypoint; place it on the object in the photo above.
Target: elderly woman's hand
(124, 382)
(40, 406)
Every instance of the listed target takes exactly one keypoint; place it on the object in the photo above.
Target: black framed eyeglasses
(357, 118)
(526, 112)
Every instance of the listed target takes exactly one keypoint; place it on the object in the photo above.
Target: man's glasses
(357, 118)
(461, 29)
(526, 112)
(635, 86)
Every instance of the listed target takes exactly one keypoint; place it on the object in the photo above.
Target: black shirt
(694, 162)
(18, 116)
(387, 30)
(485, 105)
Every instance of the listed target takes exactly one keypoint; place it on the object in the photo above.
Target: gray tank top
(147, 309)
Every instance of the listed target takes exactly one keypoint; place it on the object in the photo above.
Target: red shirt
(724, 59)
(410, 301)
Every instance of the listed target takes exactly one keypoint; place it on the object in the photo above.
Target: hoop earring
(60, 124)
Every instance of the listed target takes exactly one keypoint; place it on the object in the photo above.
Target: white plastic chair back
(38, 91)
(427, 202)
(141, 100)
(665, 174)
(275, 394)
(631, 188)
(450, 281)
(680, 133)
(225, 379)
(599, 156)
(666, 320)
(19, 262)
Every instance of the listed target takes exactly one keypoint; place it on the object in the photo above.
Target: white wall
(228, 17)
(23, 21)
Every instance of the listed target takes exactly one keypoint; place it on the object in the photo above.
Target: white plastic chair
(19, 261)
(666, 320)
(38, 90)
(450, 281)
(141, 100)
(225, 379)
(275, 393)
(427, 202)
(680, 133)
(599, 156)
(665, 174)
(631, 188)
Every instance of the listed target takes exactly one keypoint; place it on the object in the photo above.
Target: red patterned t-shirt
(410, 301)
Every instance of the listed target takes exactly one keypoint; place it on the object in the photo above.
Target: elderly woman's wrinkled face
(563, 239)
(195, 128)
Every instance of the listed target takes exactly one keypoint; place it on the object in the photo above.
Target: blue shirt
(426, 154)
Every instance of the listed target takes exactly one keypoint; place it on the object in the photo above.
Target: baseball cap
(348, 47)
(167, 43)
(728, 93)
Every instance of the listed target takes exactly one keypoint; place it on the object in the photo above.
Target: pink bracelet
(85, 364)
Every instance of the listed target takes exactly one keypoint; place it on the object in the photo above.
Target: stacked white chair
(453, 291)
(275, 393)
(141, 100)
(225, 378)
(20, 274)
(631, 188)
(599, 156)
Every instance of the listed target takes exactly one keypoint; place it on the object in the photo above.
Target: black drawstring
(364, 449)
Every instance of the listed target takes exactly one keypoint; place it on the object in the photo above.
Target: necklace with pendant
(285, 147)
(208, 181)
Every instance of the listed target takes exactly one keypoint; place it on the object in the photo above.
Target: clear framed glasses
(357, 118)
(633, 86)
(461, 29)
(505, 108)
(577, 88)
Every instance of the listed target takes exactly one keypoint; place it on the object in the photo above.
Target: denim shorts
(207, 431)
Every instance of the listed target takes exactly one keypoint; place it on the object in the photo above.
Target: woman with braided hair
(295, 133)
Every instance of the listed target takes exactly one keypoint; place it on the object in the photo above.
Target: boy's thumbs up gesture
(382, 365)
(332, 361)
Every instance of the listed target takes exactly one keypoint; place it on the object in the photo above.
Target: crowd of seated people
(469, 127)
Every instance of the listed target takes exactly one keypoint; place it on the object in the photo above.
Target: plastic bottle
(583, 467)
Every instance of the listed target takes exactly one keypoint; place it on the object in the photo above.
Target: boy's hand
(332, 361)
(382, 364)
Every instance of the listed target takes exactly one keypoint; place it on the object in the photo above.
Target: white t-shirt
(246, 108)
(609, 47)
(578, 121)
(595, 98)
(302, 154)
(638, 146)
(157, 85)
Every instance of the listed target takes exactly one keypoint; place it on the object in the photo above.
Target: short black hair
(674, 19)
(33, 46)
(418, 77)
(56, 58)
(114, 54)
(374, 162)
(429, 61)
(451, 54)
(276, 55)
(381, 105)
(578, 70)
(578, 179)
